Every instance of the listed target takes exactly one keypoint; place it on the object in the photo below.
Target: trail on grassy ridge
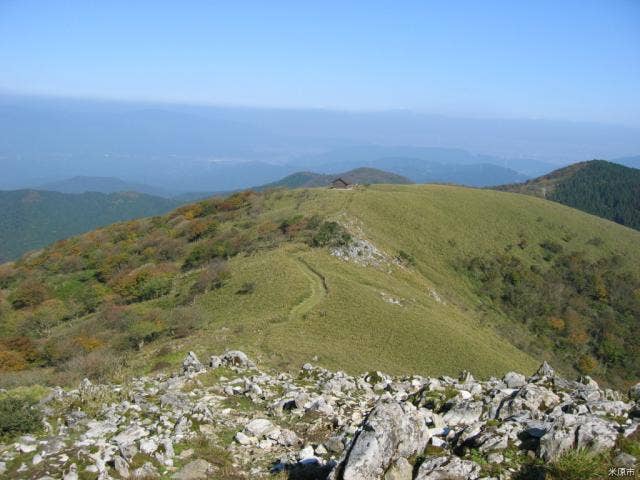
(318, 286)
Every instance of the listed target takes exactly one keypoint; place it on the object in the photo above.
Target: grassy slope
(352, 327)
(288, 321)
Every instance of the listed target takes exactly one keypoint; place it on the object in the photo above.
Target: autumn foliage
(112, 278)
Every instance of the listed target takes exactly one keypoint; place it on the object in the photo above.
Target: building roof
(340, 180)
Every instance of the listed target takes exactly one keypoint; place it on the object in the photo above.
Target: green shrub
(288, 223)
(89, 298)
(247, 288)
(41, 321)
(11, 361)
(631, 444)
(197, 229)
(8, 275)
(578, 464)
(145, 331)
(206, 251)
(58, 350)
(99, 365)
(406, 258)
(141, 330)
(595, 241)
(183, 321)
(29, 293)
(154, 287)
(330, 234)
(212, 277)
(18, 416)
(550, 249)
(144, 283)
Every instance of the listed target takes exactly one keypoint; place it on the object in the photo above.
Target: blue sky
(561, 59)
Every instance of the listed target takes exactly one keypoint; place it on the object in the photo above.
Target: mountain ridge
(84, 184)
(599, 187)
(360, 175)
(434, 274)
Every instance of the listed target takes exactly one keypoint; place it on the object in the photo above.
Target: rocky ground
(230, 420)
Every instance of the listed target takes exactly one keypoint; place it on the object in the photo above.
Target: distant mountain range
(30, 219)
(231, 177)
(82, 184)
(361, 175)
(181, 148)
(473, 175)
(431, 164)
(599, 187)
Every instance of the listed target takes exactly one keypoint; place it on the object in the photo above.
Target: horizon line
(5, 92)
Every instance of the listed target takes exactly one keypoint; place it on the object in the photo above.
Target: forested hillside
(598, 187)
(31, 219)
(82, 184)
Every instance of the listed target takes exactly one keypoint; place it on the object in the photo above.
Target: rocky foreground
(229, 420)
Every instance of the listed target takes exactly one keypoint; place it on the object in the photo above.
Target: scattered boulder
(243, 439)
(400, 470)
(146, 472)
(577, 431)
(391, 431)
(634, 392)
(447, 468)
(121, 466)
(514, 380)
(194, 470)
(334, 444)
(464, 412)
(624, 460)
(215, 361)
(545, 372)
(236, 358)
(288, 438)
(148, 446)
(191, 364)
(72, 473)
(130, 435)
(259, 427)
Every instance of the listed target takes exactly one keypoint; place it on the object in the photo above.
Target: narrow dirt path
(318, 287)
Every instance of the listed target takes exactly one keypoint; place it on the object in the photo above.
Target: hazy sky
(565, 59)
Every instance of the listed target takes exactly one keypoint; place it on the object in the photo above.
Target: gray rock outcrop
(390, 432)
(319, 424)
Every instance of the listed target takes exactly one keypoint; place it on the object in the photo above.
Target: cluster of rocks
(362, 252)
(228, 416)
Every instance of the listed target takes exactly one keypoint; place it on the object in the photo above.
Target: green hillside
(31, 219)
(599, 187)
(448, 287)
(362, 176)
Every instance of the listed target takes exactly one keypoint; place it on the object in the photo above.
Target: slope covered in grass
(259, 272)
